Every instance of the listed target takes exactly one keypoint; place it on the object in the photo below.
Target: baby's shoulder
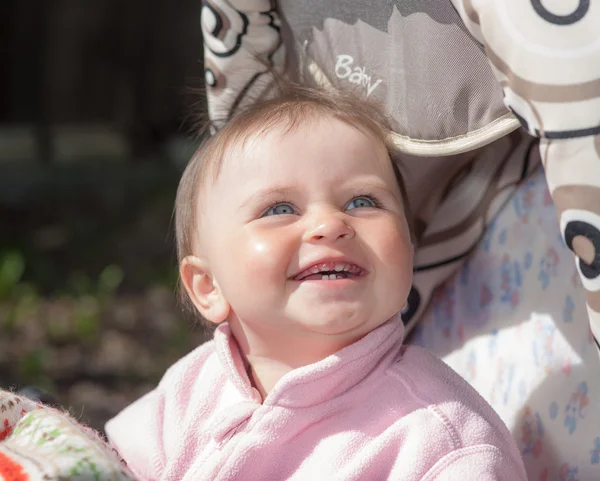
(170, 400)
(190, 365)
(427, 376)
(446, 398)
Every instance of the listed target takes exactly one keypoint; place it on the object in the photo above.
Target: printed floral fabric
(40, 443)
(513, 323)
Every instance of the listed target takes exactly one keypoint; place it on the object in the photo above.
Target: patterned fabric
(512, 322)
(546, 57)
(241, 37)
(338, 38)
(456, 223)
(38, 443)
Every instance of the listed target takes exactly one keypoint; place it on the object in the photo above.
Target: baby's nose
(329, 228)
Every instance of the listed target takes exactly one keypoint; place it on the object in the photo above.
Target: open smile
(333, 270)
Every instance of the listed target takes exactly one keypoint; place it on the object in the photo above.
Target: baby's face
(305, 232)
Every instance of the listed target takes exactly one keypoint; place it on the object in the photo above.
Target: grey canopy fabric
(457, 79)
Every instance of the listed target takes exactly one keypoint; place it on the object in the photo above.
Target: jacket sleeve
(242, 42)
(136, 434)
(547, 61)
(476, 463)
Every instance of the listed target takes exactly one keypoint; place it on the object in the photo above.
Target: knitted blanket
(41, 443)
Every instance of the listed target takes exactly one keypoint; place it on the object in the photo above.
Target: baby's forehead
(241, 145)
(272, 156)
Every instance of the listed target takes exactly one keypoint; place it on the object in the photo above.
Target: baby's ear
(203, 290)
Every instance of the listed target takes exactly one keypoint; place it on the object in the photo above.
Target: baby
(293, 238)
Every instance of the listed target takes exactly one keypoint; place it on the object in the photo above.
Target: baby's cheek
(399, 257)
(396, 251)
(264, 259)
(394, 239)
(248, 275)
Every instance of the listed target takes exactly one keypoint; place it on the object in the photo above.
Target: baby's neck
(264, 373)
(271, 359)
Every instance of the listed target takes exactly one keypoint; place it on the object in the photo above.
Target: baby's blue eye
(361, 202)
(280, 209)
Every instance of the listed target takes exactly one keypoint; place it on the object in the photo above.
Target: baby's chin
(352, 325)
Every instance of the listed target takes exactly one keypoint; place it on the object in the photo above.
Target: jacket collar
(321, 381)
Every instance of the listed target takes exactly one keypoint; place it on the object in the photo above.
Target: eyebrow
(269, 194)
(375, 186)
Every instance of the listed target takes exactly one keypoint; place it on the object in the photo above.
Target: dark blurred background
(96, 102)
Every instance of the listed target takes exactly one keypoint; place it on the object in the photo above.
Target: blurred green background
(97, 100)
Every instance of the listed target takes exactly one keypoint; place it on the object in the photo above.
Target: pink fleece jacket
(372, 411)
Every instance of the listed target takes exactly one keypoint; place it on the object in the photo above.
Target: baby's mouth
(330, 271)
(327, 275)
